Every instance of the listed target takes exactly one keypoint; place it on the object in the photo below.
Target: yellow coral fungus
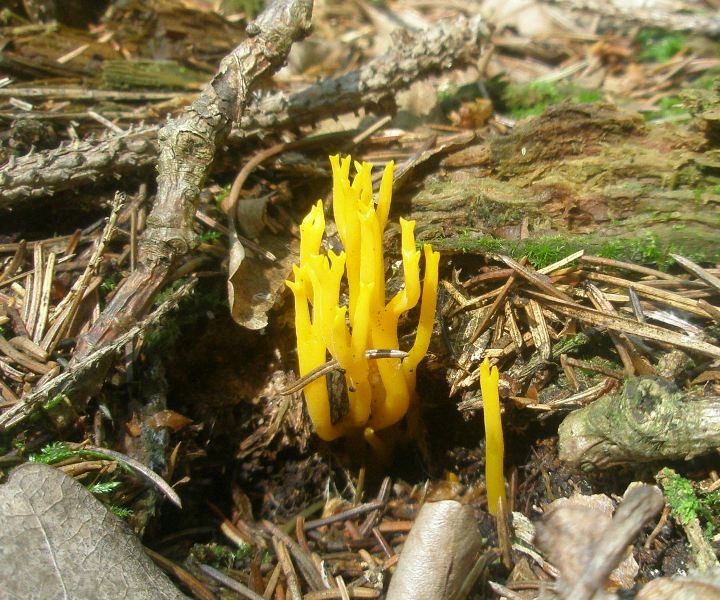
(494, 444)
(379, 391)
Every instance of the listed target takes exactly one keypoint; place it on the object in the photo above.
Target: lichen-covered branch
(187, 148)
(372, 86)
(649, 419)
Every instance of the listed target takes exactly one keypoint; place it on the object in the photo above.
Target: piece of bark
(439, 552)
(372, 87)
(546, 174)
(649, 419)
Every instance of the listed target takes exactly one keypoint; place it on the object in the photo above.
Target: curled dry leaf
(438, 554)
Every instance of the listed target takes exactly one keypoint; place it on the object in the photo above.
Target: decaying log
(590, 175)
(648, 420)
(372, 86)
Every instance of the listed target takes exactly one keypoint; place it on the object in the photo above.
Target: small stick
(334, 365)
(231, 583)
(344, 515)
(697, 270)
(636, 306)
(288, 570)
(618, 264)
(272, 583)
(533, 278)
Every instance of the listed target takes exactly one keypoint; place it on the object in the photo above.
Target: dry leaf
(58, 541)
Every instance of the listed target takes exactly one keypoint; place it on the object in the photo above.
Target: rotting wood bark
(591, 175)
(187, 148)
(371, 86)
(648, 420)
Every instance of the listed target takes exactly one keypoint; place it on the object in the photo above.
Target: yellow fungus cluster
(380, 391)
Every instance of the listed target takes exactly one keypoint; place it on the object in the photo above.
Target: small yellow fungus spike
(494, 445)
(379, 391)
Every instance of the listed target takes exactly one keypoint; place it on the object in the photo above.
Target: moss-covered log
(579, 176)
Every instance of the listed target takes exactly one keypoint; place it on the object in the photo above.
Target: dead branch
(652, 16)
(187, 149)
(372, 86)
(648, 420)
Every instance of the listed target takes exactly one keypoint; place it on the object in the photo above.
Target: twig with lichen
(372, 86)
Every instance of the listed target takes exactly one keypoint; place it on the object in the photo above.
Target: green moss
(657, 45)
(687, 505)
(109, 283)
(544, 250)
(102, 488)
(221, 556)
(668, 106)
(210, 236)
(531, 99)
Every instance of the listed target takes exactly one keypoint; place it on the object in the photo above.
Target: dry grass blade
(45, 296)
(643, 330)
(618, 264)
(199, 589)
(580, 399)
(31, 302)
(231, 583)
(66, 309)
(30, 348)
(669, 298)
(512, 326)
(355, 592)
(561, 263)
(502, 295)
(22, 359)
(305, 562)
(620, 342)
(146, 473)
(15, 262)
(291, 578)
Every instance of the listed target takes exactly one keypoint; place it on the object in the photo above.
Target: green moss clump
(659, 46)
(220, 556)
(531, 99)
(686, 505)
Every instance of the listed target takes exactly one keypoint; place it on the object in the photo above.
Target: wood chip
(537, 280)
(538, 328)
